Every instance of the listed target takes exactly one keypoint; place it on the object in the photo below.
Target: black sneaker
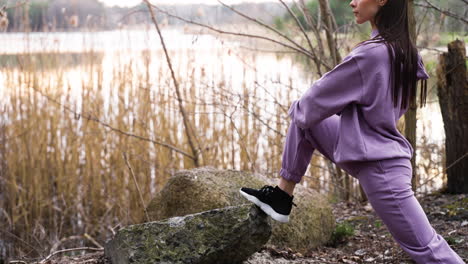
(272, 200)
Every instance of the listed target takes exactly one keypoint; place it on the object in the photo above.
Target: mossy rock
(224, 235)
(311, 223)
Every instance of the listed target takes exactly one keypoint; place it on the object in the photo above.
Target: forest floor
(371, 241)
(366, 239)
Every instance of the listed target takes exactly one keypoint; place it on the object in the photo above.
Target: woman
(350, 116)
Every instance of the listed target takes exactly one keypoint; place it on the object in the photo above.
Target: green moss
(311, 223)
(430, 65)
(457, 207)
(341, 233)
(206, 236)
(450, 240)
(378, 223)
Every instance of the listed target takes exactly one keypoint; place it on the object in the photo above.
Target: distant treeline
(66, 15)
(57, 15)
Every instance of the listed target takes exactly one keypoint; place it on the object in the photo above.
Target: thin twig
(308, 53)
(130, 14)
(61, 241)
(21, 240)
(89, 117)
(189, 131)
(443, 11)
(315, 30)
(300, 27)
(90, 238)
(18, 4)
(136, 184)
(448, 167)
(68, 250)
(264, 50)
(299, 50)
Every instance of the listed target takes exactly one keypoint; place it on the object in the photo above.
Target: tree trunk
(452, 89)
(410, 115)
(340, 183)
(330, 27)
(347, 184)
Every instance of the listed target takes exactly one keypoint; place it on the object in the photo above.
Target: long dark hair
(392, 25)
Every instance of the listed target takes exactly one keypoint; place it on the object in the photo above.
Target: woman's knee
(386, 187)
(323, 136)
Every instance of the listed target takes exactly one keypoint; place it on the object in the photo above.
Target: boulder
(190, 191)
(225, 235)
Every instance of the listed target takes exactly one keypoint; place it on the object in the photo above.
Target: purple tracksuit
(348, 115)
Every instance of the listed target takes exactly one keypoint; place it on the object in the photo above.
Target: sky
(128, 3)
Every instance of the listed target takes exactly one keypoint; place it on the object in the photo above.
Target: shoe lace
(268, 189)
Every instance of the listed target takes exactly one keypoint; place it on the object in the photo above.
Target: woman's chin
(359, 21)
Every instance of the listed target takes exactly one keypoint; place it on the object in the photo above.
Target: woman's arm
(329, 94)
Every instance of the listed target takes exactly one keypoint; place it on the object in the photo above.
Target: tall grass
(67, 120)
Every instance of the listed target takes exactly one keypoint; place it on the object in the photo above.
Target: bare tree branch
(418, 28)
(310, 20)
(264, 50)
(300, 26)
(266, 26)
(434, 49)
(18, 4)
(443, 11)
(299, 50)
(330, 26)
(448, 167)
(190, 132)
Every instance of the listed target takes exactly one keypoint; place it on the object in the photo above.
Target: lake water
(208, 60)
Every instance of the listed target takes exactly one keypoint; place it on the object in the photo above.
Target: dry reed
(62, 140)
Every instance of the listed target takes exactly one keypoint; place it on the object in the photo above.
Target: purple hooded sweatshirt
(359, 89)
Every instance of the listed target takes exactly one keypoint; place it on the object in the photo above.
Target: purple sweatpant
(387, 184)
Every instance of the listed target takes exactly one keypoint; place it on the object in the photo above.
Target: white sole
(266, 208)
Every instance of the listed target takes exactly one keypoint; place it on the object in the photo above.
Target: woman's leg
(297, 153)
(287, 186)
(387, 184)
(299, 147)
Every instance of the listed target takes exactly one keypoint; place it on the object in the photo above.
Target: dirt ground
(370, 241)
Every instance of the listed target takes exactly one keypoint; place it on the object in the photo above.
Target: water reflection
(117, 40)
